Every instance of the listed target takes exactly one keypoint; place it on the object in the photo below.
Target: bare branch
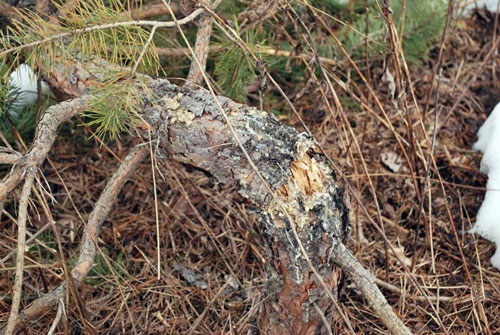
(184, 52)
(101, 211)
(44, 138)
(201, 48)
(144, 49)
(59, 313)
(400, 291)
(21, 245)
(88, 246)
(159, 24)
(323, 318)
(365, 282)
(8, 158)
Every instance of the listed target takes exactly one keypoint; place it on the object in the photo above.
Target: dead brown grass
(207, 229)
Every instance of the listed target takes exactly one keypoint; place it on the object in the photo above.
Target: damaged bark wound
(190, 129)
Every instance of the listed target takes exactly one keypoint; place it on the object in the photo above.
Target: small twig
(155, 194)
(323, 319)
(365, 282)
(2, 205)
(21, 245)
(59, 313)
(143, 51)
(427, 174)
(399, 291)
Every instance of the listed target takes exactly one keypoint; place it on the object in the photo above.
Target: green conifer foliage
(235, 69)
(92, 28)
(423, 24)
(86, 30)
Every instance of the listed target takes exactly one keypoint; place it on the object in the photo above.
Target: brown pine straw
(227, 243)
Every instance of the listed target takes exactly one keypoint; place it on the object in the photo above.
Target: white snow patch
(341, 2)
(488, 217)
(23, 88)
(470, 5)
(488, 141)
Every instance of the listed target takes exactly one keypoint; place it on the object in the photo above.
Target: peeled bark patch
(191, 129)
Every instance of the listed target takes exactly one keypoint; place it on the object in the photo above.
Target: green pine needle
(235, 69)
(113, 110)
(122, 46)
(424, 24)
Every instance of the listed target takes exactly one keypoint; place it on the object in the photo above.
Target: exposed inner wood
(306, 175)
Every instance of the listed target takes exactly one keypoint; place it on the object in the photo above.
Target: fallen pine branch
(186, 125)
(296, 196)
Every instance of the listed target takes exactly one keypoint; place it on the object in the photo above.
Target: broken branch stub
(190, 128)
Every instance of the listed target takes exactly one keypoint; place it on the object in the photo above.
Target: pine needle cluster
(235, 69)
(113, 111)
(89, 29)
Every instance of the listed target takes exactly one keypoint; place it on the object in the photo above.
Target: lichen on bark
(209, 144)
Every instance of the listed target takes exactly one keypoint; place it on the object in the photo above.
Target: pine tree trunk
(190, 129)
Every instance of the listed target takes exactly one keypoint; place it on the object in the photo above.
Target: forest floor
(211, 267)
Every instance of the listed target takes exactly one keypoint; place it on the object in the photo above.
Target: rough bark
(190, 129)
